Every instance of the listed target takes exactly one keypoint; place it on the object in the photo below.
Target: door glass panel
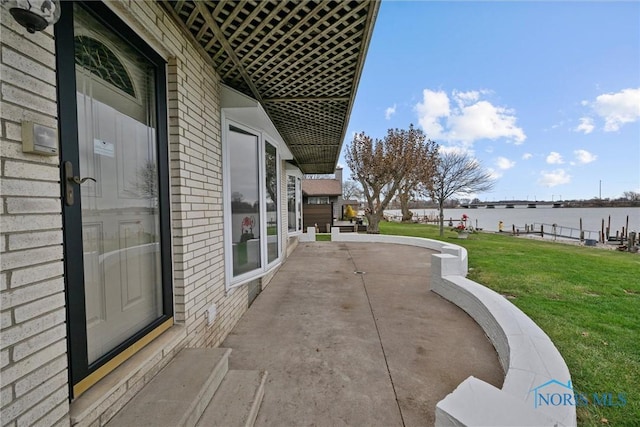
(245, 200)
(271, 178)
(120, 215)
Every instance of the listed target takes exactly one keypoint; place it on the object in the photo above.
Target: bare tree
(351, 190)
(380, 167)
(457, 174)
(631, 196)
(420, 170)
(146, 183)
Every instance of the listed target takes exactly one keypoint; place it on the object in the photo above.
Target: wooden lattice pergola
(301, 60)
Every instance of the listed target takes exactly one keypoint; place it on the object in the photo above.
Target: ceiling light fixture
(34, 15)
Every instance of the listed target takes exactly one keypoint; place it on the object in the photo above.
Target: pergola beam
(217, 32)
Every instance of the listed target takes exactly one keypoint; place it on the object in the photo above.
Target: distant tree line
(406, 170)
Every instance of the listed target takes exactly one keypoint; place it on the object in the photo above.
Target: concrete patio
(351, 335)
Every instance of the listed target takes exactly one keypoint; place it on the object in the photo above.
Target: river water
(488, 219)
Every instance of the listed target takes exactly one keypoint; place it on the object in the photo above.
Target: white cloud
(618, 108)
(584, 157)
(390, 111)
(557, 125)
(445, 149)
(554, 158)
(503, 163)
(586, 125)
(483, 120)
(467, 98)
(527, 156)
(472, 120)
(553, 178)
(433, 107)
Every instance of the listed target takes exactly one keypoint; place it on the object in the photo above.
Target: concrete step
(179, 394)
(237, 401)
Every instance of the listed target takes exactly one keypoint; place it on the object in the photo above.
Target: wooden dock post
(602, 232)
(581, 232)
(626, 228)
(541, 230)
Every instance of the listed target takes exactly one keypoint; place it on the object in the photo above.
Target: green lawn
(586, 299)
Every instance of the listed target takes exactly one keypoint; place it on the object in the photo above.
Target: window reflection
(271, 181)
(299, 198)
(318, 200)
(291, 202)
(120, 217)
(245, 200)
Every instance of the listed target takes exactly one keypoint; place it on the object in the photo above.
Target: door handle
(69, 180)
(79, 180)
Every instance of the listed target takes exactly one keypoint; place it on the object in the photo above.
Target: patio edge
(527, 355)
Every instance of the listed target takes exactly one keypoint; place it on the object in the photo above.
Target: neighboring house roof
(321, 187)
(301, 60)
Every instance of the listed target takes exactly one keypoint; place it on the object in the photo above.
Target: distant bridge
(510, 205)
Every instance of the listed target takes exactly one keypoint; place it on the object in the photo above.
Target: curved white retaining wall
(457, 266)
(526, 353)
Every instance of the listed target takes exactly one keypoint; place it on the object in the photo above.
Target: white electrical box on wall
(39, 139)
(211, 314)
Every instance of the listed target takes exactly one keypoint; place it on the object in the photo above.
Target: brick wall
(196, 197)
(33, 355)
(33, 345)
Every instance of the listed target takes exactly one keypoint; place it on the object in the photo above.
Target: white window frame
(232, 282)
(297, 175)
(246, 113)
(265, 138)
(318, 199)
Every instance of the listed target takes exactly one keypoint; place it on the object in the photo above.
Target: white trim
(293, 171)
(226, 207)
(263, 137)
(318, 200)
(263, 201)
(243, 109)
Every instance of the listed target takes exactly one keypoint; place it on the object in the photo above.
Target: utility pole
(600, 191)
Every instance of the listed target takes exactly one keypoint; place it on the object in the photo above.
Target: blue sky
(545, 94)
